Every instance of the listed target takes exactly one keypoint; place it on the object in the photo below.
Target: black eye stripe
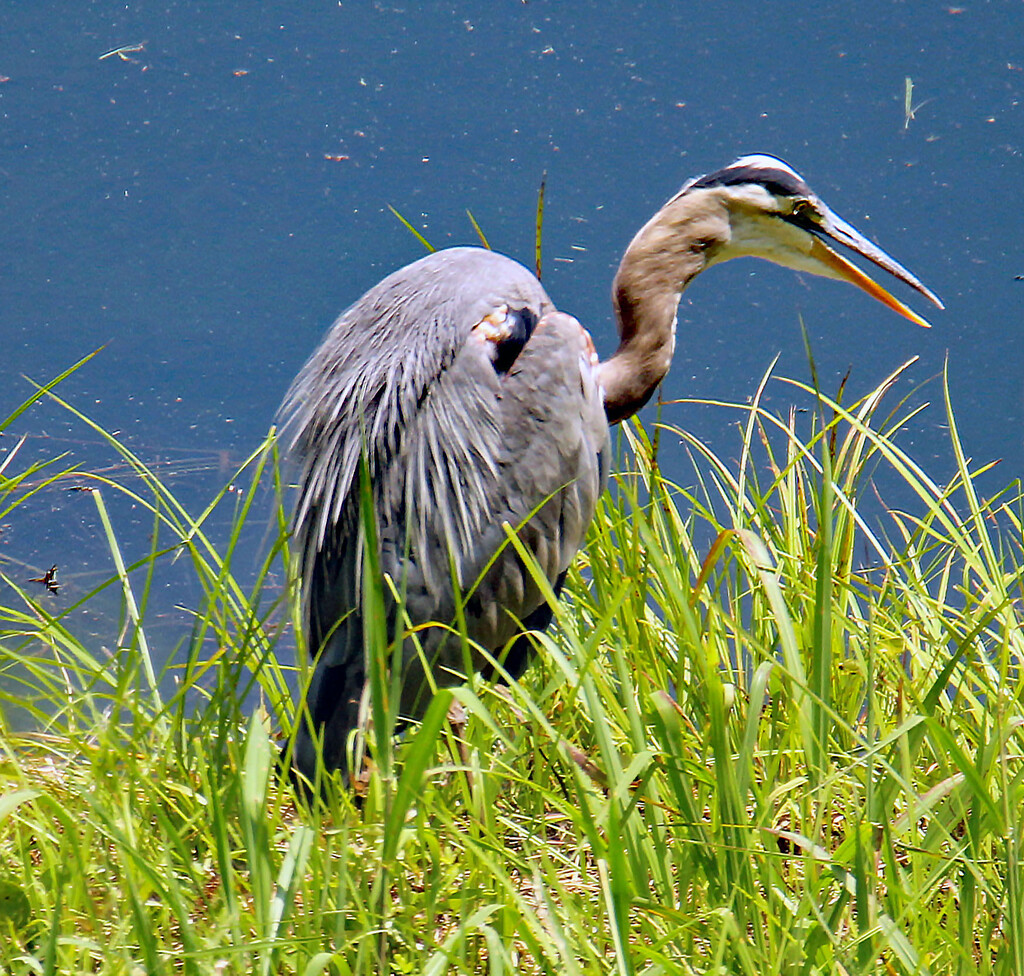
(806, 218)
(776, 181)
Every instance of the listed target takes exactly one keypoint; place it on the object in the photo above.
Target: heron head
(760, 207)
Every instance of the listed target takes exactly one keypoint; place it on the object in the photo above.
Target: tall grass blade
(412, 230)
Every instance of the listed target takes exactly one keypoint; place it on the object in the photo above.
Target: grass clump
(777, 728)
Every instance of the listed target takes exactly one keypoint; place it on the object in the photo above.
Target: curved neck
(663, 258)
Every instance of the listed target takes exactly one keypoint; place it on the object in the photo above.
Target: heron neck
(657, 266)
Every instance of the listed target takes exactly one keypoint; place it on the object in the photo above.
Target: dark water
(206, 205)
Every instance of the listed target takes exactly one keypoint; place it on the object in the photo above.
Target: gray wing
(455, 448)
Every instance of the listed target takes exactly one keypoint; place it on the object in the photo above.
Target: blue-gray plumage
(479, 405)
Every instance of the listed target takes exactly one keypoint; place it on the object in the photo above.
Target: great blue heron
(477, 406)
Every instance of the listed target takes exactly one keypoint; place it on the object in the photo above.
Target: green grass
(776, 729)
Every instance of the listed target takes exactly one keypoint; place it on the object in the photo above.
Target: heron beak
(838, 230)
(846, 271)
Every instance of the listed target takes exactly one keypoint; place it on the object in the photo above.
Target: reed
(776, 728)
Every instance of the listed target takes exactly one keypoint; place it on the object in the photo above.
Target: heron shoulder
(385, 356)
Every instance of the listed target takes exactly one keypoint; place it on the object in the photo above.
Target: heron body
(478, 406)
(474, 411)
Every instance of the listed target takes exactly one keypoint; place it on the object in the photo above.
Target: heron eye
(804, 210)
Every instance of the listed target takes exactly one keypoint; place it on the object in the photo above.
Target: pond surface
(203, 202)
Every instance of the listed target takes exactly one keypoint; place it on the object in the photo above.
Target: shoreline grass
(775, 728)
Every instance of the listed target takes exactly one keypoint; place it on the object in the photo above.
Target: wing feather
(455, 450)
